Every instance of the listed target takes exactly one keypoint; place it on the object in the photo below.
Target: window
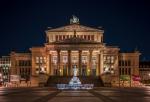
(37, 59)
(81, 36)
(60, 37)
(126, 71)
(88, 37)
(54, 59)
(84, 36)
(122, 71)
(92, 37)
(56, 37)
(64, 37)
(126, 63)
(41, 60)
(44, 59)
(65, 60)
(129, 71)
(84, 59)
(129, 63)
(74, 59)
(112, 59)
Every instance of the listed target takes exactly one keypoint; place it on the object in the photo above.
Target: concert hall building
(75, 45)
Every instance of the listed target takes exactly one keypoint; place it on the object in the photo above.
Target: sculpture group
(75, 83)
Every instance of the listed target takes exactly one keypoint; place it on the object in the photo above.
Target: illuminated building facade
(83, 47)
(144, 70)
(21, 65)
(5, 65)
(75, 45)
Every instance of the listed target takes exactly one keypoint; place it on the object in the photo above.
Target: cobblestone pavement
(48, 94)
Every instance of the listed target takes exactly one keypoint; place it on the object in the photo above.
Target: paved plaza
(103, 94)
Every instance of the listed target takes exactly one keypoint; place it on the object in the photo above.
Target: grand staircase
(53, 80)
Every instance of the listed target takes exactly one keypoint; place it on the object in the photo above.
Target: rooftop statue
(74, 20)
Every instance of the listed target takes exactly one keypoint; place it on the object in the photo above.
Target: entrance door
(64, 70)
(93, 72)
(84, 70)
(55, 72)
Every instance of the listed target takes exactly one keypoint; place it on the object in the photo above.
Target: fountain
(75, 83)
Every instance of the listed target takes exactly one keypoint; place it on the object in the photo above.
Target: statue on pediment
(74, 20)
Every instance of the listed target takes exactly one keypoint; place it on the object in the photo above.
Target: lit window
(112, 60)
(44, 59)
(65, 59)
(112, 57)
(108, 57)
(37, 59)
(74, 59)
(84, 59)
(54, 59)
(41, 60)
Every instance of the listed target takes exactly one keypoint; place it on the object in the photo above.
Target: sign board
(136, 78)
(14, 78)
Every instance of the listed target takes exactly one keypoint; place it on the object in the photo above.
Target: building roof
(72, 27)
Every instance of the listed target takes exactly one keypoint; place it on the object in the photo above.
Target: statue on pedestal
(75, 80)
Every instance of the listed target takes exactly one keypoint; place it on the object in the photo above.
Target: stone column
(99, 64)
(58, 62)
(90, 61)
(80, 61)
(49, 65)
(69, 62)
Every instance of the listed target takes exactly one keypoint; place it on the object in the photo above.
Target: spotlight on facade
(60, 70)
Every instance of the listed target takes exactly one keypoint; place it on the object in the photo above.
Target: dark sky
(126, 22)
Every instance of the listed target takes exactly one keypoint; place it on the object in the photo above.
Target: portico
(66, 55)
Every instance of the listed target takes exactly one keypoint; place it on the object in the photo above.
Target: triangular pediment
(73, 27)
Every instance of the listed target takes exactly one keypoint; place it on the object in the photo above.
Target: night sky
(126, 22)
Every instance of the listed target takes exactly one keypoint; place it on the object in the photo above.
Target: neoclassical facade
(83, 47)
